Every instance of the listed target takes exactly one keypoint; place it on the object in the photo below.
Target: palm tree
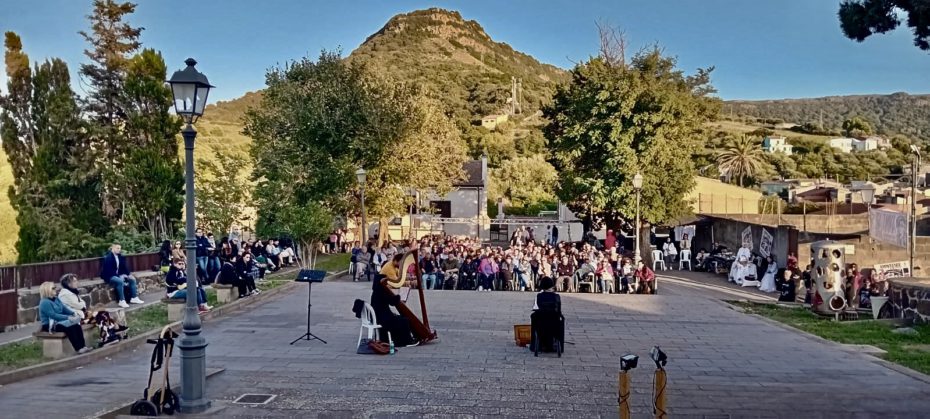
(742, 157)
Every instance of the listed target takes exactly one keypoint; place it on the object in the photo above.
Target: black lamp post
(190, 89)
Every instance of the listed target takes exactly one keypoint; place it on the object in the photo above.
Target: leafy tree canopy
(861, 19)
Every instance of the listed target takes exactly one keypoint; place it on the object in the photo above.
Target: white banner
(765, 244)
(747, 238)
(889, 227)
(892, 270)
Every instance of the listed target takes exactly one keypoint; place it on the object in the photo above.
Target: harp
(420, 329)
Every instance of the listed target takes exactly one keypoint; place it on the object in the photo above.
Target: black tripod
(308, 336)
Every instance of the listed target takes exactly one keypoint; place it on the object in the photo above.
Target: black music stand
(309, 276)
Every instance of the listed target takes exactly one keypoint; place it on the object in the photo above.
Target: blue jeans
(182, 295)
(430, 280)
(119, 282)
(520, 280)
(213, 267)
(202, 264)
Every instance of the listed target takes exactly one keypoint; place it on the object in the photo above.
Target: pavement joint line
(689, 282)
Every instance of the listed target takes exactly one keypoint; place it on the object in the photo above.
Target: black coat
(109, 267)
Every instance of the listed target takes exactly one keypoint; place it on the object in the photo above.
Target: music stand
(309, 276)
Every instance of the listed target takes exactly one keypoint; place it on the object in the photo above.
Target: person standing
(670, 253)
(203, 254)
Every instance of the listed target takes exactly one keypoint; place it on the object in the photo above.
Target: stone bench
(94, 292)
(175, 308)
(226, 293)
(55, 345)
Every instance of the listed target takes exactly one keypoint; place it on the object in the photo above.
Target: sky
(761, 49)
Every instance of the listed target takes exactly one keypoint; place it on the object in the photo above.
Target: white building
(843, 144)
(777, 145)
(866, 144)
(467, 201)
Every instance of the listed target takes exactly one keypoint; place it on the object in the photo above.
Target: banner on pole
(889, 227)
(892, 270)
(765, 244)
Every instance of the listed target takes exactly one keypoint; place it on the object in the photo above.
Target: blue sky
(760, 48)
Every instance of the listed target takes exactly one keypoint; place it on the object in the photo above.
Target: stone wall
(839, 223)
(94, 292)
(910, 298)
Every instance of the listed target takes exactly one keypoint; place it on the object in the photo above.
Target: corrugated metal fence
(15, 277)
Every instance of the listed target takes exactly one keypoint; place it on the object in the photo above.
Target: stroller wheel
(143, 408)
(170, 405)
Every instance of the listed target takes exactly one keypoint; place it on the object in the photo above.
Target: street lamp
(190, 89)
(361, 175)
(638, 186)
(916, 162)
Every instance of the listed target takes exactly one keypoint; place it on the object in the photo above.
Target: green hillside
(898, 113)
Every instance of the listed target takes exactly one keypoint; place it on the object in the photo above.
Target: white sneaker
(480, 288)
(136, 300)
(122, 303)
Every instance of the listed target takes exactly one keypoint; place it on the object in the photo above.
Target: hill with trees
(898, 113)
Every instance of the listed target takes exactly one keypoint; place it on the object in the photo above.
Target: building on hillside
(865, 145)
(492, 121)
(777, 145)
(711, 196)
(785, 125)
(882, 142)
(780, 188)
(843, 144)
(848, 145)
(468, 201)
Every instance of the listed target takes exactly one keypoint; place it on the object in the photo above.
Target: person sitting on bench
(71, 296)
(115, 271)
(547, 322)
(176, 283)
(57, 317)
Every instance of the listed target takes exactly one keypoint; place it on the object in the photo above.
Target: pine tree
(113, 42)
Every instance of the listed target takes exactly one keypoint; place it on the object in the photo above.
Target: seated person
(468, 279)
(700, 258)
(115, 271)
(381, 301)
(645, 278)
(450, 270)
(547, 322)
(745, 273)
(229, 276)
(57, 317)
(245, 268)
(70, 296)
(176, 284)
(583, 271)
(604, 274)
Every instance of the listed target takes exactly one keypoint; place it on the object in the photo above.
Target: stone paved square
(721, 362)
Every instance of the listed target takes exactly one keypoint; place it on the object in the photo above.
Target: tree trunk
(644, 243)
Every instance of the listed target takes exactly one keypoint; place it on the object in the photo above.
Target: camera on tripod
(628, 362)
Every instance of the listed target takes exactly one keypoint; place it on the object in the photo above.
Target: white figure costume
(742, 253)
(768, 281)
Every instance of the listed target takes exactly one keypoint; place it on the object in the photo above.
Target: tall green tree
(321, 120)
(152, 176)
(857, 126)
(223, 191)
(860, 19)
(113, 43)
(58, 208)
(742, 158)
(616, 118)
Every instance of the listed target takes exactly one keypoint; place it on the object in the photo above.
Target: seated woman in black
(229, 276)
(547, 321)
(245, 269)
(381, 301)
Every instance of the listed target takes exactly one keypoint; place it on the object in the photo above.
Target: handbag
(379, 347)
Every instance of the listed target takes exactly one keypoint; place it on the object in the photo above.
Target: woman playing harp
(383, 298)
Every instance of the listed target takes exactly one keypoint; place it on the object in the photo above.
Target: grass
(19, 355)
(333, 262)
(152, 317)
(912, 351)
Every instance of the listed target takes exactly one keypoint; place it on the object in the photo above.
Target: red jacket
(645, 274)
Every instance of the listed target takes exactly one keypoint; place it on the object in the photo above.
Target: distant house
(847, 145)
(785, 125)
(492, 121)
(882, 142)
(777, 145)
(843, 144)
(467, 200)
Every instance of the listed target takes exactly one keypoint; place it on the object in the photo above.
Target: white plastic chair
(684, 257)
(657, 260)
(370, 323)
